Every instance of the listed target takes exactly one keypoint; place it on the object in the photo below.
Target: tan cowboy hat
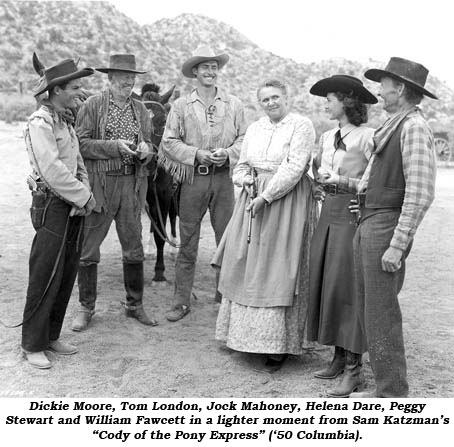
(345, 84)
(121, 62)
(61, 73)
(203, 53)
(404, 70)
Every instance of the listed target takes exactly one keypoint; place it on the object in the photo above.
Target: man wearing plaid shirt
(398, 188)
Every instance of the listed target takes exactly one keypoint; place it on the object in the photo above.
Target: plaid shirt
(419, 169)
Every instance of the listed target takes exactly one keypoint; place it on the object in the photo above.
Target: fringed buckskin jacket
(101, 155)
(188, 129)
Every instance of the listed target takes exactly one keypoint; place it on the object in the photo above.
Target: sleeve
(242, 168)
(295, 163)
(240, 126)
(52, 171)
(172, 144)
(419, 169)
(92, 148)
(82, 174)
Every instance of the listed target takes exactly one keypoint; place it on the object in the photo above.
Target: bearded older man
(115, 141)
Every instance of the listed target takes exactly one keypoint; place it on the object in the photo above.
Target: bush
(15, 107)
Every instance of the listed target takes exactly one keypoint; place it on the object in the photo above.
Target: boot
(335, 368)
(133, 279)
(87, 278)
(352, 380)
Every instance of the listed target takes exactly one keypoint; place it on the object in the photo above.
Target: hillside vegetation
(93, 30)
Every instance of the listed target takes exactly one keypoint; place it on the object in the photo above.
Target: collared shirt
(193, 125)
(53, 150)
(351, 162)
(284, 149)
(121, 124)
(419, 170)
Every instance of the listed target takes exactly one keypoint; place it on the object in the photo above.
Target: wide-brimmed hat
(404, 70)
(203, 53)
(58, 74)
(345, 84)
(121, 62)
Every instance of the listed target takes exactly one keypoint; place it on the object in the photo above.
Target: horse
(161, 200)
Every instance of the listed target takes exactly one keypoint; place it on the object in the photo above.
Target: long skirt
(333, 317)
(265, 283)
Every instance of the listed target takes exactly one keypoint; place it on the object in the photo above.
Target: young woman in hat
(342, 158)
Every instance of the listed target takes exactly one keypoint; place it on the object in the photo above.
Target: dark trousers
(378, 303)
(44, 315)
(213, 192)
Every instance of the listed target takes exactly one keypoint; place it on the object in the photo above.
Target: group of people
(284, 275)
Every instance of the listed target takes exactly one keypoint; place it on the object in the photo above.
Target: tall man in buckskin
(115, 141)
(200, 146)
(396, 190)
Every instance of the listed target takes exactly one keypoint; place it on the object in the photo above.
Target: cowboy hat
(61, 73)
(121, 62)
(202, 54)
(404, 70)
(345, 84)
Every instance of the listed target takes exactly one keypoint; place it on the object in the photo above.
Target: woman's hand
(256, 205)
(317, 192)
(247, 184)
(327, 176)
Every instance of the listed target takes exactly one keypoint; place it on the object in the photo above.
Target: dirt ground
(121, 358)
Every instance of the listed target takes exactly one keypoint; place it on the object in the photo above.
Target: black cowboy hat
(404, 70)
(58, 74)
(345, 84)
(121, 62)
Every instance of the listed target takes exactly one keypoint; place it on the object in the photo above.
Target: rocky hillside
(92, 30)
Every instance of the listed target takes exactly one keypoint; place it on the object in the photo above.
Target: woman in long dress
(264, 283)
(342, 158)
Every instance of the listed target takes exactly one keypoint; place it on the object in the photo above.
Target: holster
(38, 208)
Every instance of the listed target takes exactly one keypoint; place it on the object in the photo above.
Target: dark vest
(386, 185)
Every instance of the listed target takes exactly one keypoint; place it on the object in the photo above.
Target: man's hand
(123, 147)
(256, 205)
(219, 157)
(144, 150)
(391, 261)
(327, 176)
(203, 157)
(86, 210)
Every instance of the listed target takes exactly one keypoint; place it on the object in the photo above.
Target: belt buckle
(203, 170)
(128, 169)
(332, 189)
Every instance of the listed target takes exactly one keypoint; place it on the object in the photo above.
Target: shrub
(15, 107)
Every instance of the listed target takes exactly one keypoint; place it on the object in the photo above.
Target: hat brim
(330, 85)
(375, 74)
(106, 70)
(44, 86)
(187, 67)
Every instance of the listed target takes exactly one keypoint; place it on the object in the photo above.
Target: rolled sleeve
(419, 170)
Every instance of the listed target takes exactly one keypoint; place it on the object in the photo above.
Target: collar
(220, 94)
(111, 100)
(56, 116)
(347, 129)
(268, 124)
